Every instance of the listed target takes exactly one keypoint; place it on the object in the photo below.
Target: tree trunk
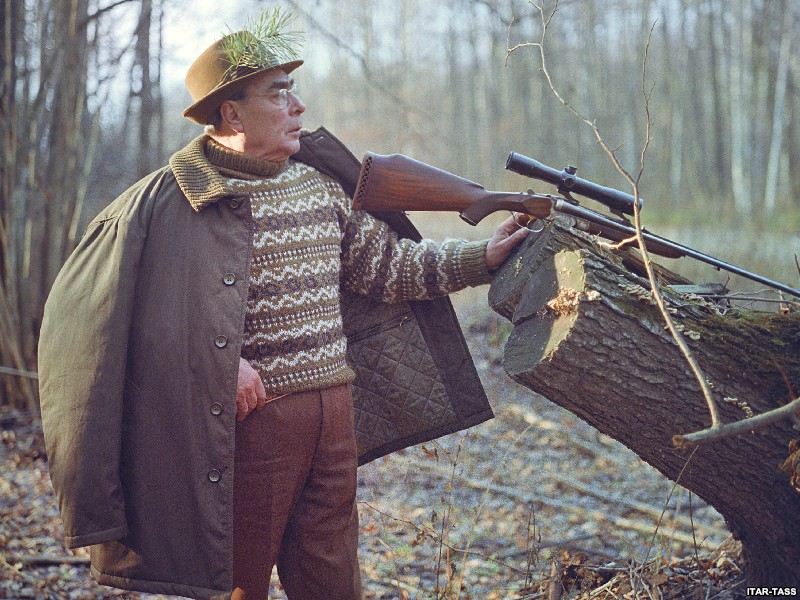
(145, 154)
(778, 114)
(588, 337)
(740, 96)
(720, 167)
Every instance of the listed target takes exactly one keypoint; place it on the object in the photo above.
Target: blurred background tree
(91, 94)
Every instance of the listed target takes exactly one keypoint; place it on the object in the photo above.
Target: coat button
(220, 341)
(235, 203)
(216, 409)
(229, 279)
(214, 475)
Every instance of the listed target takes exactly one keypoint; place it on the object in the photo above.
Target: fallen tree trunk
(588, 336)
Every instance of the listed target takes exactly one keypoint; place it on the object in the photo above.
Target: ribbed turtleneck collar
(241, 166)
(204, 180)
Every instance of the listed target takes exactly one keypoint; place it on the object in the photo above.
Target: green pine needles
(265, 42)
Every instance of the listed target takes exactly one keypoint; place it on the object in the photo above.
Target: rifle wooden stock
(396, 182)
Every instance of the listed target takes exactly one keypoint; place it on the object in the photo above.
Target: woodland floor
(533, 504)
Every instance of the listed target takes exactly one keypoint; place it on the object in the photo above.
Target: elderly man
(195, 383)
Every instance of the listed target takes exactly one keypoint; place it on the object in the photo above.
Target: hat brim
(202, 110)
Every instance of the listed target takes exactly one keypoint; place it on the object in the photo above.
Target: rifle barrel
(726, 266)
(590, 215)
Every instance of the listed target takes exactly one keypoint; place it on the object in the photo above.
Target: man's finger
(241, 408)
(514, 238)
(510, 225)
(252, 400)
(520, 234)
(261, 392)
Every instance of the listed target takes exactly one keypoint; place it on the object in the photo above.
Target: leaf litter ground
(533, 504)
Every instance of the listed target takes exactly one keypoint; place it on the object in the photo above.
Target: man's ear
(229, 112)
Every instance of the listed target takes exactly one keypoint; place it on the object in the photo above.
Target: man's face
(270, 118)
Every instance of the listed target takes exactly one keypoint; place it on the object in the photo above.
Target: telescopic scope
(568, 183)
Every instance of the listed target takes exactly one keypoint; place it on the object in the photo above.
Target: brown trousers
(294, 498)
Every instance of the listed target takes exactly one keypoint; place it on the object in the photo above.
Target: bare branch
(743, 298)
(99, 12)
(634, 183)
(666, 504)
(19, 373)
(369, 75)
(435, 537)
(739, 427)
(657, 296)
(46, 560)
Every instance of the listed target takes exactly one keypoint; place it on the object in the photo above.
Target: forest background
(92, 92)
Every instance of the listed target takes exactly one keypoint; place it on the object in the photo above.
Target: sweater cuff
(472, 263)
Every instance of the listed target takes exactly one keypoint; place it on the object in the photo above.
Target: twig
(446, 522)
(764, 290)
(694, 538)
(728, 592)
(620, 245)
(599, 449)
(567, 543)
(646, 527)
(427, 531)
(666, 503)
(515, 494)
(731, 429)
(637, 506)
(657, 296)
(608, 584)
(96, 14)
(396, 583)
(789, 387)
(39, 560)
(532, 545)
(19, 373)
(749, 299)
(634, 183)
(432, 534)
(484, 495)
(6, 566)
(555, 587)
(375, 82)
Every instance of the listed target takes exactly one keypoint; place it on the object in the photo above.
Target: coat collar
(207, 171)
(203, 184)
(198, 179)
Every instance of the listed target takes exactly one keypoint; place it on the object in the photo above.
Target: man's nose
(298, 107)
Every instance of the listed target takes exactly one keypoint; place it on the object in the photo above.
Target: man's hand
(250, 392)
(507, 236)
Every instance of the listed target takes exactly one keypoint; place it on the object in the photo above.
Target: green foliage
(266, 41)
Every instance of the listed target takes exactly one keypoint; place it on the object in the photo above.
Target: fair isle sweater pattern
(308, 242)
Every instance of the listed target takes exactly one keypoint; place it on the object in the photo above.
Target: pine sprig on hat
(265, 42)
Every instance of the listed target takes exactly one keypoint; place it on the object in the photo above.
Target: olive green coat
(138, 362)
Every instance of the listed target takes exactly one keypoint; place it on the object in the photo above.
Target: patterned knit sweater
(308, 243)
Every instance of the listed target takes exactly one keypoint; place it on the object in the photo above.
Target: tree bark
(588, 337)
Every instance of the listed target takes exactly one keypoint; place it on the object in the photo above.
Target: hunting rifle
(397, 183)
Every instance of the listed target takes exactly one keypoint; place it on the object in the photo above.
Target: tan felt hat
(212, 78)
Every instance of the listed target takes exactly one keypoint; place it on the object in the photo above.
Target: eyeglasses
(279, 97)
